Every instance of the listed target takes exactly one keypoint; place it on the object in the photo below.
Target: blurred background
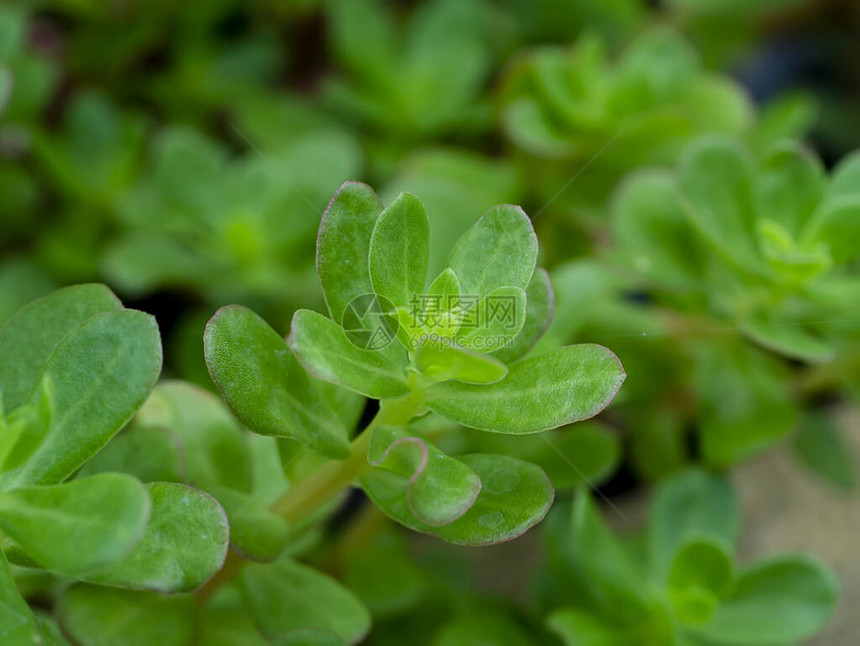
(182, 153)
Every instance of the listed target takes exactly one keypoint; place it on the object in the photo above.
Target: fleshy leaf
(76, 527)
(285, 596)
(343, 245)
(215, 446)
(183, 545)
(31, 335)
(787, 338)
(825, 452)
(310, 637)
(266, 386)
(255, 533)
(494, 321)
(582, 628)
(150, 453)
(438, 489)
(383, 575)
(653, 231)
(780, 601)
(762, 413)
(789, 186)
(608, 573)
(439, 362)
(327, 353)
(96, 616)
(515, 496)
(690, 504)
(540, 308)
(837, 223)
(400, 251)
(100, 374)
(18, 626)
(584, 453)
(715, 184)
(539, 393)
(499, 250)
(702, 574)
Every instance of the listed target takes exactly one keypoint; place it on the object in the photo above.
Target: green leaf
(539, 393)
(215, 446)
(499, 250)
(612, 577)
(31, 336)
(438, 489)
(224, 622)
(255, 533)
(515, 496)
(653, 231)
(779, 601)
(383, 575)
(285, 596)
(310, 637)
(581, 628)
(95, 616)
(149, 453)
(439, 361)
(786, 337)
(18, 626)
(101, 373)
(702, 574)
(363, 37)
(76, 527)
(845, 178)
(494, 321)
(265, 385)
(762, 411)
(437, 312)
(837, 223)
(690, 504)
(487, 627)
(585, 453)
(825, 452)
(715, 184)
(183, 545)
(343, 245)
(540, 308)
(327, 353)
(400, 251)
(789, 186)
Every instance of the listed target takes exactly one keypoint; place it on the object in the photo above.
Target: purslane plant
(678, 583)
(766, 242)
(568, 104)
(383, 342)
(76, 366)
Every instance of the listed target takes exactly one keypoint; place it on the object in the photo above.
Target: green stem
(299, 502)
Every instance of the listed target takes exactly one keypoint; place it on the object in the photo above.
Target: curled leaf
(439, 489)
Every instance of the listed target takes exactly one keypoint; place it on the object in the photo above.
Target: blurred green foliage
(697, 201)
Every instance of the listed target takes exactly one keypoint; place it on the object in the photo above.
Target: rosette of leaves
(576, 104)
(366, 250)
(409, 82)
(227, 227)
(764, 243)
(76, 366)
(455, 186)
(679, 581)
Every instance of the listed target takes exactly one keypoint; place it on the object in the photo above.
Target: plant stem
(298, 503)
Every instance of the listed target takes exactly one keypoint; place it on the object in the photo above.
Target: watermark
(487, 342)
(372, 322)
(471, 312)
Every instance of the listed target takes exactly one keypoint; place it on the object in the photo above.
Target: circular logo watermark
(370, 321)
